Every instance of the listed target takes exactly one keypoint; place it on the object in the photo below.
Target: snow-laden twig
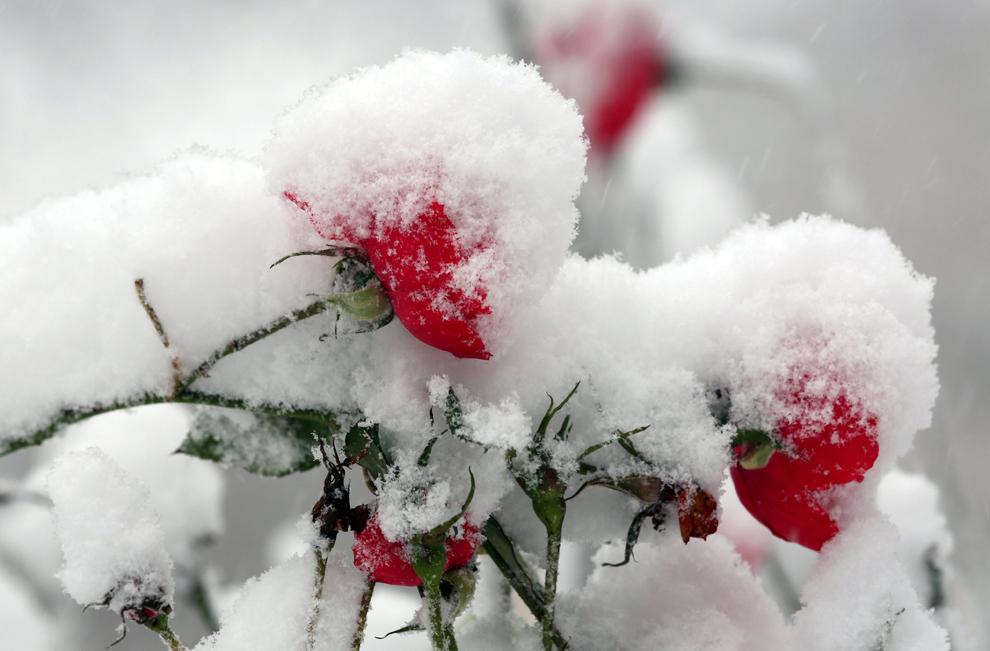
(319, 578)
(242, 342)
(362, 618)
(182, 392)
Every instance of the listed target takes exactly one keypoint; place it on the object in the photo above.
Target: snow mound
(674, 596)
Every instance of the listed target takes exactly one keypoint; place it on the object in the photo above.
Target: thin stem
(787, 594)
(550, 586)
(502, 550)
(171, 640)
(160, 626)
(74, 415)
(438, 631)
(181, 385)
(362, 618)
(203, 603)
(319, 578)
(242, 342)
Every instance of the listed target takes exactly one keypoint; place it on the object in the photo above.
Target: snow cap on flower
(111, 539)
(454, 172)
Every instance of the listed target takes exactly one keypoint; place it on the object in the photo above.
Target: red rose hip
(387, 561)
(416, 265)
(825, 443)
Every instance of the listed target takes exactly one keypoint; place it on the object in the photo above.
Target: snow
(646, 346)
(860, 596)
(111, 539)
(912, 503)
(505, 156)
(186, 493)
(22, 620)
(416, 499)
(272, 611)
(199, 221)
(674, 596)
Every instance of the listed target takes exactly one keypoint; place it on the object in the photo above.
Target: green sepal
(369, 304)
(757, 457)
(753, 437)
(618, 437)
(757, 448)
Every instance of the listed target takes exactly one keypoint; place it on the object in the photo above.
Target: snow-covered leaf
(262, 444)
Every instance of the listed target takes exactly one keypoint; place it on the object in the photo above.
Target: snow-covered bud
(111, 539)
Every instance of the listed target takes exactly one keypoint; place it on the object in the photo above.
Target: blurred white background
(91, 92)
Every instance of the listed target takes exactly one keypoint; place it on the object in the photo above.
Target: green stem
(362, 618)
(550, 586)
(74, 415)
(502, 550)
(160, 626)
(438, 631)
(788, 595)
(319, 578)
(171, 641)
(203, 603)
(242, 342)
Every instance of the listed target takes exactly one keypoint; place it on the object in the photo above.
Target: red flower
(387, 561)
(610, 64)
(416, 263)
(826, 443)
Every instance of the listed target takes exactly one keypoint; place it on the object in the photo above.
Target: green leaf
(263, 444)
(552, 410)
(454, 414)
(618, 437)
(520, 576)
(362, 442)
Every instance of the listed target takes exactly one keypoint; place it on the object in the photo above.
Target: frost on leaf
(262, 444)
